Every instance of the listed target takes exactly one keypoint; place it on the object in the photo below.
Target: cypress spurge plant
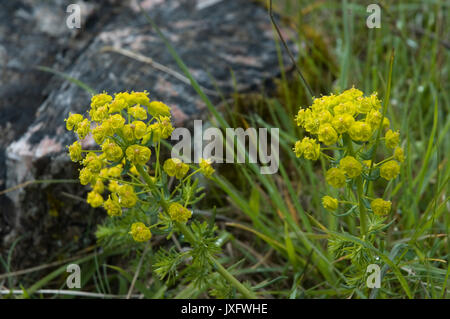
(345, 132)
(129, 179)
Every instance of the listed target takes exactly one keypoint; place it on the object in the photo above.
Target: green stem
(145, 176)
(362, 208)
(220, 269)
(360, 190)
(191, 238)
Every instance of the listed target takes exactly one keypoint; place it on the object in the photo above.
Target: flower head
(157, 108)
(140, 232)
(335, 177)
(112, 151)
(399, 155)
(342, 122)
(75, 152)
(179, 213)
(389, 170)
(138, 112)
(127, 196)
(94, 199)
(73, 120)
(392, 139)
(351, 166)
(100, 100)
(140, 98)
(112, 206)
(206, 167)
(86, 176)
(175, 167)
(327, 134)
(308, 147)
(330, 203)
(380, 206)
(374, 118)
(138, 154)
(83, 128)
(360, 131)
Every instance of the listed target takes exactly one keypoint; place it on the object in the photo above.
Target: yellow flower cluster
(330, 203)
(125, 126)
(179, 213)
(380, 206)
(140, 232)
(122, 126)
(349, 123)
(175, 167)
(206, 167)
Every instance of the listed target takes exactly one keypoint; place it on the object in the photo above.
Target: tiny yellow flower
(330, 203)
(327, 134)
(139, 129)
(116, 121)
(127, 196)
(138, 112)
(205, 167)
(112, 151)
(93, 163)
(374, 118)
(115, 171)
(179, 213)
(312, 124)
(75, 152)
(73, 120)
(335, 177)
(112, 206)
(308, 147)
(380, 207)
(99, 114)
(346, 107)
(389, 170)
(386, 123)
(301, 116)
(83, 128)
(360, 131)
(86, 176)
(94, 199)
(113, 186)
(134, 171)
(99, 134)
(392, 139)
(99, 187)
(138, 154)
(140, 98)
(399, 155)
(157, 108)
(175, 167)
(342, 122)
(118, 104)
(363, 105)
(325, 117)
(140, 232)
(100, 100)
(128, 133)
(165, 126)
(351, 166)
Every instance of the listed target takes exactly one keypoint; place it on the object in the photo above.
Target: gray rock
(115, 50)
